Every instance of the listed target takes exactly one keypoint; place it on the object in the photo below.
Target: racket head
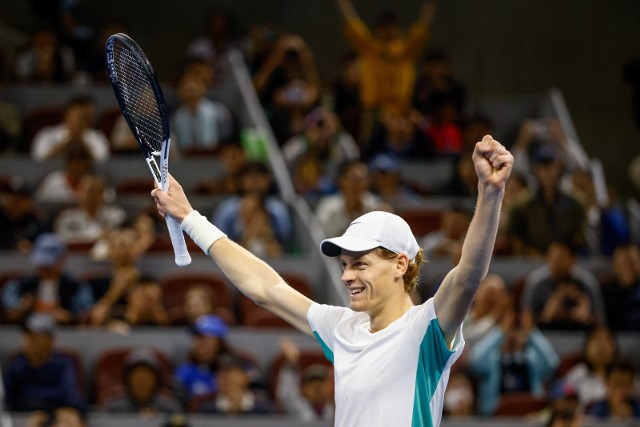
(138, 93)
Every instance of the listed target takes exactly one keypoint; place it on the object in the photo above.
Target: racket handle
(177, 240)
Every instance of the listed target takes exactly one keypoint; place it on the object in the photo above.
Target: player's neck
(392, 311)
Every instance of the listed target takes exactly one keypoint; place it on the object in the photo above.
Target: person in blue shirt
(254, 182)
(40, 378)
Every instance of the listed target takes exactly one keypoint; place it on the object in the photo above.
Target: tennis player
(391, 358)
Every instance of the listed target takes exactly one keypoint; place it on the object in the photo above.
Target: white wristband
(201, 231)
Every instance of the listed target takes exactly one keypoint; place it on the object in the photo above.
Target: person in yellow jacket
(387, 59)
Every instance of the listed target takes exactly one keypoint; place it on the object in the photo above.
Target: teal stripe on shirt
(325, 348)
(432, 358)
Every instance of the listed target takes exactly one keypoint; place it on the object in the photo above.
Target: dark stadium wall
(499, 47)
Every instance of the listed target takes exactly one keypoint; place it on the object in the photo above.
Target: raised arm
(347, 9)
(452, 301)
(252, 276)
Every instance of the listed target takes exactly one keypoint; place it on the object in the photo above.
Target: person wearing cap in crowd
(308, 393)
(387, 182)
(39, 377)
(197, 375)
(391, 359)
(49, 289)
(144, 391)
(549, 213)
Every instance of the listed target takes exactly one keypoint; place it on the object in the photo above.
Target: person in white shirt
(75, 128)
(391, 359)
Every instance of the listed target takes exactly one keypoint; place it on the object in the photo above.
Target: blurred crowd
(347, 141)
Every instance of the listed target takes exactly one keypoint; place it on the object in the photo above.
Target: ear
(402, 264)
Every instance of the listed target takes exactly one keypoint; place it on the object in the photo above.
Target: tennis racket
(142, 104)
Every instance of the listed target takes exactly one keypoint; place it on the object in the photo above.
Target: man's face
(205, 348)
(317, 391)
(620, 385)
(142, 383)
(369, 279)
(38, 346)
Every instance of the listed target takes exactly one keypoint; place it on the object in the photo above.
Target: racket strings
(139, 98)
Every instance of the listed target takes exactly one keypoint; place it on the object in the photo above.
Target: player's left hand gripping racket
(142, 104)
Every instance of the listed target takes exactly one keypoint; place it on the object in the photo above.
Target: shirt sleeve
(323, 320)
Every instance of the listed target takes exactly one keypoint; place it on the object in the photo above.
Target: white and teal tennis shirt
(395, 377)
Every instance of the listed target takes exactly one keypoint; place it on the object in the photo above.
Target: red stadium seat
(520, 404)
(422, 221)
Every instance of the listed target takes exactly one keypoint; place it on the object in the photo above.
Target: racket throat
(155, 171)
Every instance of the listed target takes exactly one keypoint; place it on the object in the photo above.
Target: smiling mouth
(355, 291)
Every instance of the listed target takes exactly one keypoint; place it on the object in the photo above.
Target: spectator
(324, 139)
(234, 396)
(255, 183)
(441, 125)
(75, 128)
(288, 85)
(621, 403)
(95, 65)
(122, 139)
(45, 60)
(516, 191)
(460, 396)
(197, 375)
(10, 123)
(398, 135)
(549, 214)
(144, 306)
(201, 300)
(450, 234)
(258, 233)
(387, 183)
(622, 293)
(314, 155)
(490, 305)
(49, 290)
(436, 76)
(587, 377)
(21, 221)
(562, 287)
(565, 411)
(547, 131)
(513, 357)
(346, 95)
(606, 225)
(39, 377)
(307, 395)
(199, 123)
(335, 212)
(91, 217)
(218, 38)
(464, 182)
(122, 248)
(568, 307)
(61, 186)
(259, 42)
(387, 59)
(144, 390)
(232, 158)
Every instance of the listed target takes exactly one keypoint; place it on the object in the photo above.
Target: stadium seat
(422, 221)
(567, 362)
(520, 404)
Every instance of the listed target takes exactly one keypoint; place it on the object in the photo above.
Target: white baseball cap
(372, 230)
